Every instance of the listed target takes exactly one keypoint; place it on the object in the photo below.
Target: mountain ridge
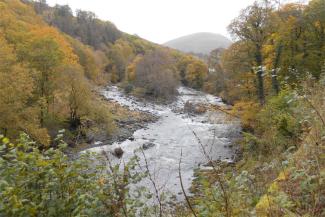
(199, 43)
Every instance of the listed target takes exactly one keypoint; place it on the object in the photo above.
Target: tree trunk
(5, 131)
(275, 83)
(259, 74)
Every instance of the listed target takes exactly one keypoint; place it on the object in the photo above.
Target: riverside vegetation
(52, 62)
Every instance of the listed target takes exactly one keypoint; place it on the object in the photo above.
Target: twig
(224, 193)
(224, 111)
(153, 183)
(223, 189)
(117, 191)
(315, 109)
(182, 186)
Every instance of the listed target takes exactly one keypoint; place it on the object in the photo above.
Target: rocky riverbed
(187, 125)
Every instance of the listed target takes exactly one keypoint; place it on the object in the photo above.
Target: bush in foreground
(48, 183)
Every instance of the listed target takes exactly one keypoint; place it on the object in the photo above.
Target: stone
(118, 152)
(131, 138)
(148, 145)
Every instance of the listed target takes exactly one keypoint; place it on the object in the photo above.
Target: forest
(54, 62)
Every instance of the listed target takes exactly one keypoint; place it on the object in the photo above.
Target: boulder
(148, 145)
(118, 152)
(131, 138)
(200, 109)
(195, 109)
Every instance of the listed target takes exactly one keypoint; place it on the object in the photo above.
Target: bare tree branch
(216, 171)
(182, 186)
(153, 183)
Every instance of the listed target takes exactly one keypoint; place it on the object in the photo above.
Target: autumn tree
(92, 62)
(16, 89)
(253, 26)
(181, 65)
(315, 36)
(156, 74)
(39, 5)
(196, 73)
(130, 70)
(45, 59)
(93, 31)
(216, 77)
(236, 63)
(120, 55)
(290, 35)
(192, 71)
(63, 19)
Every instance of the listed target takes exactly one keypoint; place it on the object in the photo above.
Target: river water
(176, 131)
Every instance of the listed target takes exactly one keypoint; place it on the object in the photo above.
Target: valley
(98, 122)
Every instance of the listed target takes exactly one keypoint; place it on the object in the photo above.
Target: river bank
(126, 122)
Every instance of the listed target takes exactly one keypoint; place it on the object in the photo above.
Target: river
(176, 131)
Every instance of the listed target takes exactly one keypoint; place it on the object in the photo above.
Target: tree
(192, 71)
(196, 73)
(253, 26)
(182, 64)
(63, 19)
(289, 40)
(120, 55)
(40, 6)
(88, 59)
(216, 77)
(156, 74)
(93, 31)
(315, 17)
(45, 58)
(16, 89)
(236, 62)
(130, 71)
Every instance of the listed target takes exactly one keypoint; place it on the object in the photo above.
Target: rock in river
(131, 138)
(118, 152)
(148, 145)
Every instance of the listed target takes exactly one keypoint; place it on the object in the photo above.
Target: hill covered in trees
(52, 63)
(59, 60)
(46, 77)
(199, 43)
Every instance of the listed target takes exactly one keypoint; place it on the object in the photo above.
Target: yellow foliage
(267, 202)
(16, 88)
(247, 110)
(51, 33)
(282, 176)
(35, 93)
(263, 206)
(130, 70)
(196, 72)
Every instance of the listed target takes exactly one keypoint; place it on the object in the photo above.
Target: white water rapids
(172, 133)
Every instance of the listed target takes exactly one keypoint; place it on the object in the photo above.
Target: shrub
(277, 125)
(48, 183)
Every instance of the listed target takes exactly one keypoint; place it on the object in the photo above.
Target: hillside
(71, 82)
(59, 59)
(199, 43)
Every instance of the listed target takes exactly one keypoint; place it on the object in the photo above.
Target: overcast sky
(162, 20)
